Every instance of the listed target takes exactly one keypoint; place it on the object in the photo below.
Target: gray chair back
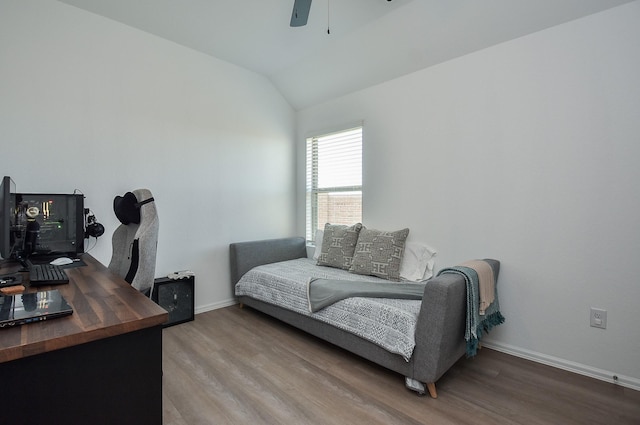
(134, 246)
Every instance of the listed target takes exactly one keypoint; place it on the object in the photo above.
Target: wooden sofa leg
(418, 386)
(431, 386)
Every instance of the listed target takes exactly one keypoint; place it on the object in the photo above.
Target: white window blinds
(334, 179)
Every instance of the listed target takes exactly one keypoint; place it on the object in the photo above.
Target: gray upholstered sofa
(439, 332)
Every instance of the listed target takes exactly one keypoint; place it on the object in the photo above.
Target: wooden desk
(101, 365)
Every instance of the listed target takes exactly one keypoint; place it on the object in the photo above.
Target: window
(334, 179)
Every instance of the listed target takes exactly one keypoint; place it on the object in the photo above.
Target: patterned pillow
(338, 244)
(379, 253)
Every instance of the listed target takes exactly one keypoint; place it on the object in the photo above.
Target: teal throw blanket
(476, 325)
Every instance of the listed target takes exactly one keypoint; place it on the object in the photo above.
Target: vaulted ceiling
(370, 41)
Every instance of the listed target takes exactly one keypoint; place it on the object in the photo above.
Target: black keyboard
(46, 274)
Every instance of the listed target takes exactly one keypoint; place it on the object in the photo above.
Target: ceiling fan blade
(300, 13)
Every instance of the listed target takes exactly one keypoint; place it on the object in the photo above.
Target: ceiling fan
(300, 13)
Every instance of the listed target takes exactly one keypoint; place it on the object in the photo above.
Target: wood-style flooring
(239, 366)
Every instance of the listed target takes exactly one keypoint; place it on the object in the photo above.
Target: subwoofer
(177, 297)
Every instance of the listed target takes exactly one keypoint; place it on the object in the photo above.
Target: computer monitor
(7, 186)
(45, 224)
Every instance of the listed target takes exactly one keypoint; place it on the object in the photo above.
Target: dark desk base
(117, 380)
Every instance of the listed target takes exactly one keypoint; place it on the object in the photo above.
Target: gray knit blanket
(324, 292)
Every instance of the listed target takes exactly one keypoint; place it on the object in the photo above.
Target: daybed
(439, 327)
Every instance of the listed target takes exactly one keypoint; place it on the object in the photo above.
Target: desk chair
(135, 241)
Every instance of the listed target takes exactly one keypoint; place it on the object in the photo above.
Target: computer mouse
(62, 261)
(7, 281)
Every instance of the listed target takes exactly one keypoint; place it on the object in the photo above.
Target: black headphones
(127, 208)
(92, 228)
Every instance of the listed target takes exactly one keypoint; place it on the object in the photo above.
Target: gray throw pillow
(379, 253)
(338, 244)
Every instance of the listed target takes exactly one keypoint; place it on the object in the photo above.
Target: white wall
(87, 103)
(526, 152)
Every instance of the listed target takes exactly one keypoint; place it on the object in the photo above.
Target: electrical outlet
(598, 318)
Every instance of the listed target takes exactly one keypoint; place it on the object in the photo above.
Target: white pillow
(319, 236)
(417, 262)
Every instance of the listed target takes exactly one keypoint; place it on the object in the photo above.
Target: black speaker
(175, 296)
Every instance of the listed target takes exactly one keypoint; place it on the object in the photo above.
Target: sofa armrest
(441, 325)
(244, 256)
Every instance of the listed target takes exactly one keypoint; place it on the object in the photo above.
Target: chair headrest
(127, 208)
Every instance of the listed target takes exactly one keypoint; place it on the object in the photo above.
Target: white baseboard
(215, 306)
(592, 372)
